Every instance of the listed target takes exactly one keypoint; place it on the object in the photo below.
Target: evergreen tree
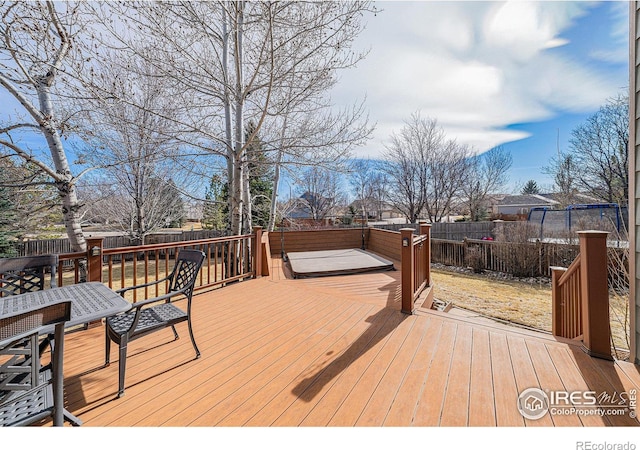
(175, 213)
(7, 224)
(530, 187)
(261, 176)
(215, 214)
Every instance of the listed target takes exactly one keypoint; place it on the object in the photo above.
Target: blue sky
(518, 74)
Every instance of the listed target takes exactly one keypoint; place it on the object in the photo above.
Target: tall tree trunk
(239, 214)
(274, 193)
(247, 217)
(64, 182)
(228, 127)
(276, 177)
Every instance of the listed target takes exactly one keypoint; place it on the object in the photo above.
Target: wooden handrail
(567, 301)
(569, 271)
(227, 259)
(416, 265)
(580, 296)
(166, 245)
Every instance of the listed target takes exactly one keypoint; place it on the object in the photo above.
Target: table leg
(58, 377)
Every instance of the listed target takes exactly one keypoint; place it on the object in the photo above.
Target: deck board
(430, 402)
(481, 405)
(380, 402)
(455, 411)
(362, 393)
(273, 380)
(549, 378)
(402, 409)
(525, 374)
(573, 381)
(504, 383)
(335, 351)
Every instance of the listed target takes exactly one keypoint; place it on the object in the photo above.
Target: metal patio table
(89, 302)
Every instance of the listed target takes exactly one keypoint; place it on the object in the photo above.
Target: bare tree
(241, 61)
(564, 170)
(320, 191)
(488, 172)
(36, 43)
(369, 185)
(426, 170)
(404, 172)
(601, 150)
(35, 203)
(134, 143)
(380, 182)
(118, 209)
(447, 172)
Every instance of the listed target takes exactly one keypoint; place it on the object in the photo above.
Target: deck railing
(227, 259)
(416, 265)
(566, 302)
(238, 257)
(580, 296)
(420, 263)
(532, 259)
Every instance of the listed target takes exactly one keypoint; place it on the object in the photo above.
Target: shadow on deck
(333, 351)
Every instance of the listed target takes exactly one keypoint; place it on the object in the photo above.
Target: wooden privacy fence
(580, 296)
(527, 259)
(385, 242)
(449, 230)
(62, 245)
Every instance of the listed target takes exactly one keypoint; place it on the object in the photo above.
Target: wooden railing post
(425, 229)
(94, 259)
(556, 302)
(257, 252)
(406, 235)
(595, 293)
(94, 266)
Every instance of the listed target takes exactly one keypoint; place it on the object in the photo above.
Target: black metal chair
(143, 319)
(27, 274)
(28, 390)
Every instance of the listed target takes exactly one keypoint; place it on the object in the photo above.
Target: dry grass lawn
(517, 302)
(513, 301)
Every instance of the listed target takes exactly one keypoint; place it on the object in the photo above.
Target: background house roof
(527, 200)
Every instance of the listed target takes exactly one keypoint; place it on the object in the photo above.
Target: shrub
(518, 248)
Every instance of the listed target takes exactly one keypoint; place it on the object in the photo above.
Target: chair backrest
(20, 366)
(27, 274)
(185, 272)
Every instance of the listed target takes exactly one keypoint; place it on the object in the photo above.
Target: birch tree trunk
(274, 192)
(64, 180)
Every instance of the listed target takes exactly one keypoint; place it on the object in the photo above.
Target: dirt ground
(525, 303)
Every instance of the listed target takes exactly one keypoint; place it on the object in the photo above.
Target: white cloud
(474, 66)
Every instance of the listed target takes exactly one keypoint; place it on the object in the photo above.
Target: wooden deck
(333, 351)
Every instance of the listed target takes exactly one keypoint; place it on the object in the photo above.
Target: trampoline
(335, 262)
